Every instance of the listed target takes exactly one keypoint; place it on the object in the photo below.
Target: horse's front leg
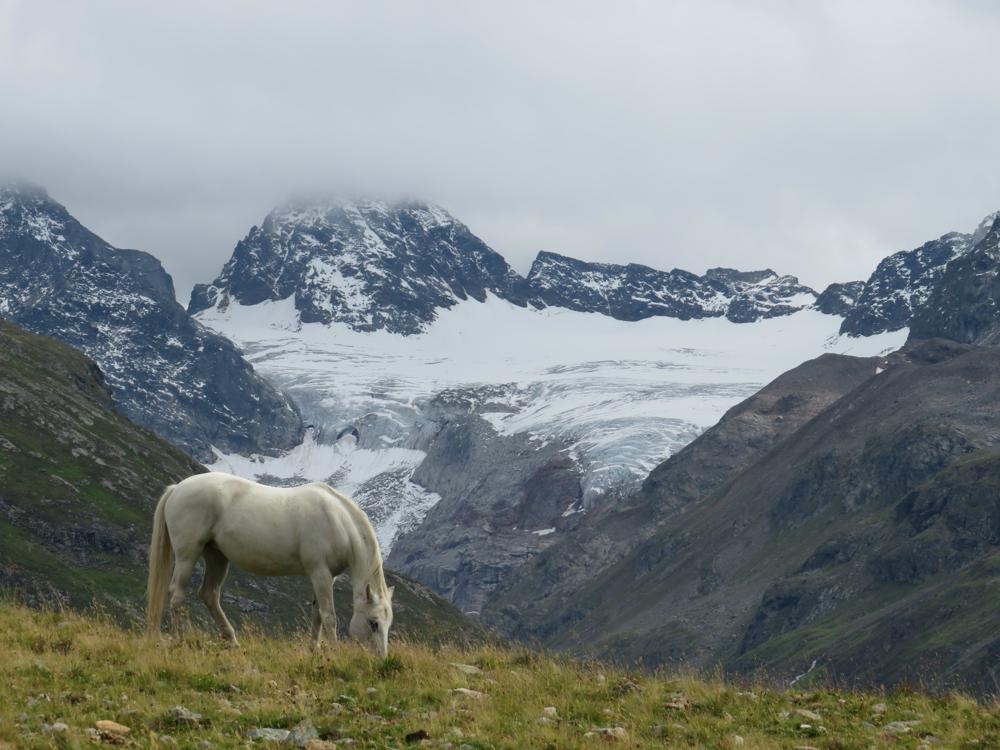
(323, 611)
(317, 624)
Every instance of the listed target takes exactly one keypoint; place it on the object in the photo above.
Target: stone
(302, 732)
(734, 740)
(319, 745)
(55, 728)
(466, 668)
(805, 713)
(617, 733)
(268, 734)
(183, 716)
(900, 727)
(879, 708)
(467, 693)
(111, 727)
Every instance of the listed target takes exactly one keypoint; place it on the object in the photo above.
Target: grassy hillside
(75, 670)
(78, 484)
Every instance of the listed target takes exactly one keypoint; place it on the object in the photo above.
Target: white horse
(311, 530)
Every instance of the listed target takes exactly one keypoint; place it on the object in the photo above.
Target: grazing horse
(311, 530)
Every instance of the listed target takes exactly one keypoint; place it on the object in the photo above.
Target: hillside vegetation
(63, 673)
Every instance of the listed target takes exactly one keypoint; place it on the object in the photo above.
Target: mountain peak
(903, 282)
(22, 191)
(372, 264)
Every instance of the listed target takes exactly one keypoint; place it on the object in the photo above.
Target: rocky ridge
(377, 265)
(164, 369)
(903, 282)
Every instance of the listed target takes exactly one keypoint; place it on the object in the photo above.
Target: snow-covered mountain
(611, 367)
(381, 266)
(903, 281)
(165, 371)
(369, 264)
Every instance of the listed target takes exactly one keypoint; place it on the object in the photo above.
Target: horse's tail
(160, 566)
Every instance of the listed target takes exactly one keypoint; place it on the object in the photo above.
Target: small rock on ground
(268, 734)
(617, 733)
(184, 716)
(466, 668)
(302, 732)
(55, 728)
(902, 727)
(319, 745)
(466, 693)
(805, 713)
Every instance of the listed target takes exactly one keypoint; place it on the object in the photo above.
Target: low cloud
(813, 138)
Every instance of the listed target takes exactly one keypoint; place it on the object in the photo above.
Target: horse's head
(372, 619)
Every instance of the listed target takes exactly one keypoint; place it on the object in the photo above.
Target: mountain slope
(539, 599)
(164, 370)
(845, 544)
(78, 484)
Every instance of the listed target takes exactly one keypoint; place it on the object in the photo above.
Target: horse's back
(266, 530)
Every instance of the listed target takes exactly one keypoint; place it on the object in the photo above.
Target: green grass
(58, 666)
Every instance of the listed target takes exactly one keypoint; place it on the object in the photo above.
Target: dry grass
(62, 667)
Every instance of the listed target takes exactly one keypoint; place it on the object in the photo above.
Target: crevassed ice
(621, 396)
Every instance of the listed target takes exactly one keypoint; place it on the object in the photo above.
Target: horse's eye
(374, 625)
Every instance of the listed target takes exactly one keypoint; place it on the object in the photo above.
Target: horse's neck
(367, 572)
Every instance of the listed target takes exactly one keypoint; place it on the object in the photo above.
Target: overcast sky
(811, 137)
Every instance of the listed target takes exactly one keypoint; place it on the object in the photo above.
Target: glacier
(623, 395)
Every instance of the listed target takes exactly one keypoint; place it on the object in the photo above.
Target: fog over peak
(811, 138)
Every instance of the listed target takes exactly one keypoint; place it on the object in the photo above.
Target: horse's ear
(391, 590)
(368, 592)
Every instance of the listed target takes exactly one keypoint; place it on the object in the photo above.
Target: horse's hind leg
(317, 624)
(322, 583)
(183, 570)
(216, 569)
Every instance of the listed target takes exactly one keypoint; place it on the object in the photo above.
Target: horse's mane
(375, 573)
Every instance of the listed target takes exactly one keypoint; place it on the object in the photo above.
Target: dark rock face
(634, 292)
(965, 303)
(903, 282)
(838, 299)
(866, 540)
(164, 370)
(371, 265)
(497, 494)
